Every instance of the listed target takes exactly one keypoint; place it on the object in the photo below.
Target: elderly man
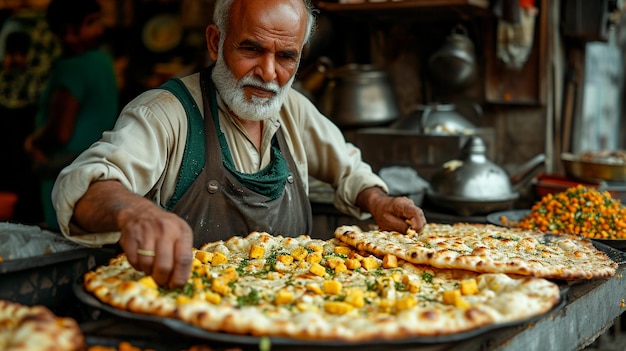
(222, 152)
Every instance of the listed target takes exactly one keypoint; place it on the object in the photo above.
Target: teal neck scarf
(270, 181)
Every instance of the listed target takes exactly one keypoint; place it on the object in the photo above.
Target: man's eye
(287, 56)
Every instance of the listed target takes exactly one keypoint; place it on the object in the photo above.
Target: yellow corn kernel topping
(148, 281)
(220, 286)
(317, 248)
(204, 256)
(196, 263)
(317, 269)
(369, 263)
(453, 297)
(182, 299)
(256, 251)
(283, 297)
(197, 284)
(469, 287)
(352, 263)
(342, 250)
(299, 253)
(355, 297)
(314, 288)
(286, 259)
(390, 261)
(337, 307)
(230, 274)
(314, 257)
(450, 296)
(332, 287)
(341, 267)
(213, 297)
(218, 259)
(406, 303)
(332, 262)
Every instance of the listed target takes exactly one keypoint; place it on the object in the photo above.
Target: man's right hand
(155, 241)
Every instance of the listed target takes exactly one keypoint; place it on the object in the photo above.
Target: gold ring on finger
(143, 252)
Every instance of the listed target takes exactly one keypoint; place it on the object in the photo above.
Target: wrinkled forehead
(287, 18)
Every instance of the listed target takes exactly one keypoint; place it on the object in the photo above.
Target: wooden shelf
(459, 7)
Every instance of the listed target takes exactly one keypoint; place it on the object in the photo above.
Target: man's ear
(212, 35)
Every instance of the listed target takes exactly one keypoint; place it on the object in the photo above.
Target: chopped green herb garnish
(427, 277)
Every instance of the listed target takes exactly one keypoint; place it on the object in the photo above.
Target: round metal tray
(282, 343)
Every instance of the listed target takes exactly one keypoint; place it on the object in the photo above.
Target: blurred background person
(27, 49)
(81, 97)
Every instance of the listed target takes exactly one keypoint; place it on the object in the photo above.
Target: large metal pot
(473, 184)
(359, 96)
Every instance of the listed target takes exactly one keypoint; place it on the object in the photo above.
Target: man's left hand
(391, 213)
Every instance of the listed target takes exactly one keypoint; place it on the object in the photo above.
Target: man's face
(259, 55)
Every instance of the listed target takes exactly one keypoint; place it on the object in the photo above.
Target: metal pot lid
(472, 177)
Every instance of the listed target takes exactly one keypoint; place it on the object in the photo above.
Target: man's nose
(266, 69)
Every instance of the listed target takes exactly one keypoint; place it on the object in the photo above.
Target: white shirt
(144, 152)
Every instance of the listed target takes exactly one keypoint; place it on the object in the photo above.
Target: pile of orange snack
(578, 210)
(127, 346)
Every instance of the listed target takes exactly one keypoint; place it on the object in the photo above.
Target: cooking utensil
(453, 65)
(473, 184)
(359, 96)
(438, 119)
(592, 170)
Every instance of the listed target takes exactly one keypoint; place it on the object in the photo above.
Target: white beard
(231, 91)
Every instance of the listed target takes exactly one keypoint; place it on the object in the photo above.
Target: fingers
(400, 215)
(182, 263)
(141, 254)
(160, 247)
(418, 221)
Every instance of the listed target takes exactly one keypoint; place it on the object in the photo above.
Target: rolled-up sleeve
(142, 152)
(330, 158)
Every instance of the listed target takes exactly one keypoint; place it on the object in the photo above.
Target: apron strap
(194, 155)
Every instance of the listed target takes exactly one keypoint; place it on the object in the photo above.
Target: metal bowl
(592, 170)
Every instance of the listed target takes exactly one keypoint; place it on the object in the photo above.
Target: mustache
(256, 83)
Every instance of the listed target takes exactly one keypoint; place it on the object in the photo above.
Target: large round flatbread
(488, 249)
(27, 328)
(311, 289)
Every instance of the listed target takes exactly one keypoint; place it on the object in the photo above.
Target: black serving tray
(283, 343)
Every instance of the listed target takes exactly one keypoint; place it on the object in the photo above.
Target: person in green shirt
(81, 98)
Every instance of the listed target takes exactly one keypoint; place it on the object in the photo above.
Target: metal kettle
(359, 96)
(453, 65)
(473, 184)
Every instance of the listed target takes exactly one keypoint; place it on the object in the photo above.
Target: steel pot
(359, 96)
(473, 184)
(453, 65)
